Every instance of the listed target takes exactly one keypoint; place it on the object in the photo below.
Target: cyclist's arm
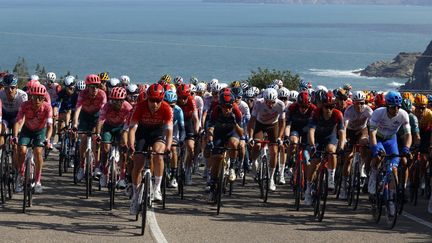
(407, 140)
(311, 135)
(181, 126)
(251, 126)
(169, 136)
(341, 142)
(49, 131)
(203, 118)
(76, 116)
(238, 129)
(17, 126)
(196, 122)
(372, 137)
(132, 130)
(210, 134)
(288, 129)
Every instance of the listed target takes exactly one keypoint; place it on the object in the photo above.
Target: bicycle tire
(245, 170)
(378, 200)
(112, 183)
(401, 189)
(219, 189)
(415, 184)
(76, 158)
(26, 185)
(323, 184)
(9, 174)
(298, 185)
(67, 156)
(145, 202)
(266, 180)
(356, 186)
(88, 174)
(338, 178)
(390, 220)
(164, 186)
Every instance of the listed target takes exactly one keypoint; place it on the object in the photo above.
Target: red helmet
(380, 100)
(31, 84)
(155, 91)
(118, 93)
(327, 98)
(303, 98)
(226, 97)
(92, 79)
(183, 90)
(38, 89)
(166, 87)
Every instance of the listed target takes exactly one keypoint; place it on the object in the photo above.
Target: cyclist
(132, 94)
(249, 97)
(111, 84)
(379, 101)
(34, 119)
(224, 130)
(283, 95)
(342, 99)
(112, 118)
(53, 89)
(151, 125)
(267, 117)
(125, 81)
(325, 127)
(356, 118)
(384, 124)
(187, 103)
(104, 77)
(165, 79)
(66, 101)
(177, 81)
(178, 134)
(90, 102)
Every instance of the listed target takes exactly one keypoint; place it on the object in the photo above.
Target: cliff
(402, 66)
(422, 75)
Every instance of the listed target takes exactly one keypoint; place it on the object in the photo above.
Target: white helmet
(249, 93)
(293, 95)
(69, 81)
(132, 88)
(214, 81)
(244, 86)
(255, 90)
(179, 80)
(216, 87)
(270, 94)
(51, 76)
(274, 86)
(125, 80)
(321, 87)
(283, 93)
(81, 85)
(34, 77)
(358, 96)
(113, 82)
(193, 88)
(193, 80)
(224, 85)
(201, 87)
(278, 82)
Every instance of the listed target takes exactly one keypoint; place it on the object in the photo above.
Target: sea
(325, 44)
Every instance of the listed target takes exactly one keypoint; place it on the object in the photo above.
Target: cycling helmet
(341, 94)
(113, 82)
(407, 105)
(193, 88)
(10, 80)
(235, 84)
(429, 97)
(81, 85)
(104, 76)
(50, 77)
(226, 97)
(201, 87)
(393, 98)
(37, 89)
(193, 80)
(283, 93)
(249, 94)
(165, 78)
(170, 96)
(358, 96)
(92, 79)
(132, 89)
(31, 84)
(347, 87)
(178, 80)
(244, 86)
(273, 86)
(34, 77)
(420, 100)
(321, 87)
(380, 100)
(125, 80)
(293, 95)
(69, 81)
(155, 91)
(166, 86)
(118, 93)
(214, 81)
(270, 94)
(303, 85)
(278, 82)
(316, 96)
(303, 98)
(183, 90)
(369, 98)
(224, 85)
(237, 92)
(216, 87)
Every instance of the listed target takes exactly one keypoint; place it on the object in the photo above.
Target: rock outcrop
(402, 66)
(422, 75)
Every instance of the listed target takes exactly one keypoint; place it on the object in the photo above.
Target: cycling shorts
(87, 122)
(110, 132)
(189, 128)
(272, 130)
(353, 136)
(220, 139)
(38, 137)
(147, 136)
(323, 142)
(424, 141)
(390, 147)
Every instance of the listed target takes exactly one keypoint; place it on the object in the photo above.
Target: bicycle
(354, 178)
(298, 180)
(88, 161)
(383, 195)
(65, 155)
(6, 170)
(29, 178)
(114, 158)
(263, 176)
(76, 159)
(414, 178)
(181, 177)
(146, 189)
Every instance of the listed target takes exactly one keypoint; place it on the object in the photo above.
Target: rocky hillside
(422, 75)
(402, 66)
(362, 2)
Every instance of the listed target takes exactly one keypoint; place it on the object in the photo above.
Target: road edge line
(155, 230)
(417, 219)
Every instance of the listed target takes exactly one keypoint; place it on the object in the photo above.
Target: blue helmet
(429, 97)
(303, 85)
(10, 80)
(393, 98)
(407, 105)
(170, 96)
(237, 92)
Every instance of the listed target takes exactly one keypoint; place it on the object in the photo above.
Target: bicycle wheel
(338, 178)
(377, 200)
(112, 182)
(401, 189)
(415, 183)
(355, 189)
(76, 159)
(27, 185)
(219, 189)
(9, 173)
(66, 154)
(298, 178)
(88, 174)
(390, 219)
(181, 176)
(164, 185)
(145, 201)
(266, 178)
(323, 188)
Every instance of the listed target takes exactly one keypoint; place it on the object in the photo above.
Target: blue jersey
(65, 100)
(178, 123)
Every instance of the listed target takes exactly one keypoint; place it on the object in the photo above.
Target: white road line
(418, 220)
(155, 231)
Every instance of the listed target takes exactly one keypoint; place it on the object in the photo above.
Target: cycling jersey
(90, 104)
(113, 116)
(323, 127)
(65, 100)
(199, 105)
(208, 100)
(245, 111)
(299, 120)
(357, 120)
(268, 115)
(387, 127)
(144, 117)
(35, 120)
(53, 93)
(224, 126)
(178, 124)
(424, 119)
(189, 108)
(10, 107)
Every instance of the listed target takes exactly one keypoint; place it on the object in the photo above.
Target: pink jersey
(35, 120)
(91, 105)
(115, 117)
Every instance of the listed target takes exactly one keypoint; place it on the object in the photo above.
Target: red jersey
(189, 108)
(35, 120)
(89, 104)
(144, 117)
(115, 117)
(217, 112)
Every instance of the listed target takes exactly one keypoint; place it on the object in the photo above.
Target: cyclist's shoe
(157, 196)
(212, 193)
(134, 207)
(173, 183)
(97, 172)
(363, 171)
(331, 183)
(38, 188)
(232, 175)
(188, 177)
(19, 184)
(272, 186)
(282, 180)
(308, 198)
(392, 208)
(121, 184)
(71, 163)
(103, 180)
(372, 183)
(80, 174)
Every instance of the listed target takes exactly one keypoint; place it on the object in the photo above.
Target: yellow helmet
(104, 76)
(420, 100)
(165, 78)
(235, 84)
(408, 95)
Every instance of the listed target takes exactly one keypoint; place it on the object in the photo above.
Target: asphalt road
(62, 213)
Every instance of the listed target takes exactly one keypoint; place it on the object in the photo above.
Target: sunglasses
(283, 98)
(38, 98)
(116, 101)
(304, 107)
(270, 102)
(393, 106)
(329, 107)
(11, 87)
(155, 100)
(92, 86)
(359, 103)
(227, 106)
(420, 107)
(183, 97)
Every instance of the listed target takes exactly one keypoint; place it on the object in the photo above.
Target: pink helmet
(37, 90)
(92, 79)
(118, 93)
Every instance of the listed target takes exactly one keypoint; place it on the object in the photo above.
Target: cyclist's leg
(332, 158)
(39, 144)
(158, 162)
(3, 131)
(391, 147)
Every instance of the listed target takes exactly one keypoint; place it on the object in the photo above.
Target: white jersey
(244, 109)
(388, 127)
(10, 108)
(53, 91)
(266, 115)
(287, 105)
(199, 105)
(357, 120)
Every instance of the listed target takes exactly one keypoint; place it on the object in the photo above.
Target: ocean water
(145, 39)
